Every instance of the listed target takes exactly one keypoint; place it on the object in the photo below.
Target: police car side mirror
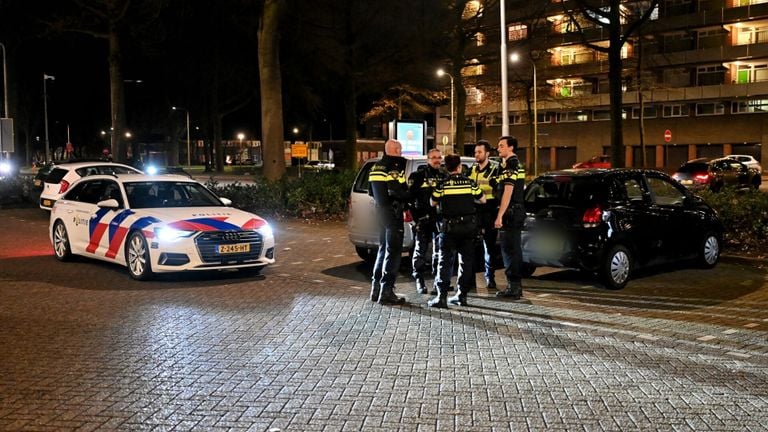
(226, 201)
(110, 204)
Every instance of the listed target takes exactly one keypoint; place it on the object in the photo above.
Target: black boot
(512, 292)
(374, 292)
(440, 302)
(460, 299)
(421, 287)
(490, 283)
(388, 296)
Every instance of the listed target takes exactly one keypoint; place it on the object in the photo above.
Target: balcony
(710, 55)
(706, 18)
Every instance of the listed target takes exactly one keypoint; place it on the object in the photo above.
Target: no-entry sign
(667, 135)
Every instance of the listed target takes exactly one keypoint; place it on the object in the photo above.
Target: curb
(744, 260)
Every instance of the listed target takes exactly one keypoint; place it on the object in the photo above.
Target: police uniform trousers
(511, 247)
(457, 236)
(488, 235)
(425, 232)
(390, 246)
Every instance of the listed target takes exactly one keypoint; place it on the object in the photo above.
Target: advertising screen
(412, 135)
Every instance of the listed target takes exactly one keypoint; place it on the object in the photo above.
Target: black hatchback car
(612, 221)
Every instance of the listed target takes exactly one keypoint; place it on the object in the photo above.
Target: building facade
(694, 80)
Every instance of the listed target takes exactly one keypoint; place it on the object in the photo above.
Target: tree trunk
(615, 80)
(271, 90)
(460, 115)
(117, 99)
(350, 120)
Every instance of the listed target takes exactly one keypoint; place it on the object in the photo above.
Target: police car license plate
(233, 248)
(38, 182)
(47, 203)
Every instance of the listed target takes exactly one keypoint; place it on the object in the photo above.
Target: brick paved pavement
(83, 347)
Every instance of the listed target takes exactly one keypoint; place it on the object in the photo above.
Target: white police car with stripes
(157, 224)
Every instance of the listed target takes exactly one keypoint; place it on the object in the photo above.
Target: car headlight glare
(266, 230)
(166, 234)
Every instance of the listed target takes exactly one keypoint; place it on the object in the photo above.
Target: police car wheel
(61, 242)
(527, 269)
(137, 257)
(367, 255)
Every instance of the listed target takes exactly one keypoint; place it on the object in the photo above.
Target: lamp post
(189, 155)
(45, 114)
(5, 85)
(504, 92)
(441, 72)
(515, 58)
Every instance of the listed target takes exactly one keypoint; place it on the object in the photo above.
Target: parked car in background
(320, 165)
(611, 222)
(749, 161)
(61, 176)
(602, 161)
(157, 224)
(716, 173)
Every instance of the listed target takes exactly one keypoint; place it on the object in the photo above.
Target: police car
(157, 224)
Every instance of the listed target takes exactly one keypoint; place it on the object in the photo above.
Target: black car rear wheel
(709, 250)
(617, 266)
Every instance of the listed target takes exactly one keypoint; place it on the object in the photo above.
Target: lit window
(518, 32)
(572, 116)
(480, 39)
(676, 110)
(750, 106)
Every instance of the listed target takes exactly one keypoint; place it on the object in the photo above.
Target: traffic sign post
(667, 135)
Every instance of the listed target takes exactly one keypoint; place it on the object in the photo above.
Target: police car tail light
(63, 186)
(592, 217)
(167, 234)
(407, 217)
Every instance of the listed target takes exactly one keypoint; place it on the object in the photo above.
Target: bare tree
(271, 89)
(620, 24)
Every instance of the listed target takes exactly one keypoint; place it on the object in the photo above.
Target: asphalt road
(84, 347)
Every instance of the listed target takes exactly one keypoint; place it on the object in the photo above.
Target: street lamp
(515, 58)
(504, 93)
(440, 73)
(189, 155)
(5, 85)
(45, 114)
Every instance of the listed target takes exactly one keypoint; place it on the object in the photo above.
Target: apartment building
(694, 81)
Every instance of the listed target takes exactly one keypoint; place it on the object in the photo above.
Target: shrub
(321, 195)
(744, 214)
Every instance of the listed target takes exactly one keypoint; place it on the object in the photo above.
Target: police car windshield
(162, 194)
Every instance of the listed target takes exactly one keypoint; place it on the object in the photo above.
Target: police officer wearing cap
(456, 196)
(511, 215)
(421, 185)
(484, 173)
(390, 193)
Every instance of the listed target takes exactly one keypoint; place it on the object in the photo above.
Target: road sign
(667, 135)
(299, 150)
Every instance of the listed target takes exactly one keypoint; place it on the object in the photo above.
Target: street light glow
(514, 57)
(440, 73)
(241, 136)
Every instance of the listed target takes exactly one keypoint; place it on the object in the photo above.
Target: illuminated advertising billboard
(412, 134)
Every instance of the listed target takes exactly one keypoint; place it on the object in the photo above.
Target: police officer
(456, 197)
(421, 185)
(484, 173)
(511, 215)
(390, 193)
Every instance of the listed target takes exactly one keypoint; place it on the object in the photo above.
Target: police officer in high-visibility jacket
(456, 197)
(390, 193)
(484, 173)
(511, 215)
(421, 184)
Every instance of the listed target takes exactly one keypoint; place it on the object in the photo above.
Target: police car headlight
(166, 234)
(5, 168)
(266, 230)
(151, 170)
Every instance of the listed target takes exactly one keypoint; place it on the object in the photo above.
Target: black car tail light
(702, 178)
(63, 186)
(592, 217)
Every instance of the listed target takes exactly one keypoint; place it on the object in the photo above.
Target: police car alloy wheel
(61, 242)
(137, 257)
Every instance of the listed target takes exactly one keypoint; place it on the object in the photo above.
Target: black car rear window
(56, 175)
(578, 192)
(694, 167)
